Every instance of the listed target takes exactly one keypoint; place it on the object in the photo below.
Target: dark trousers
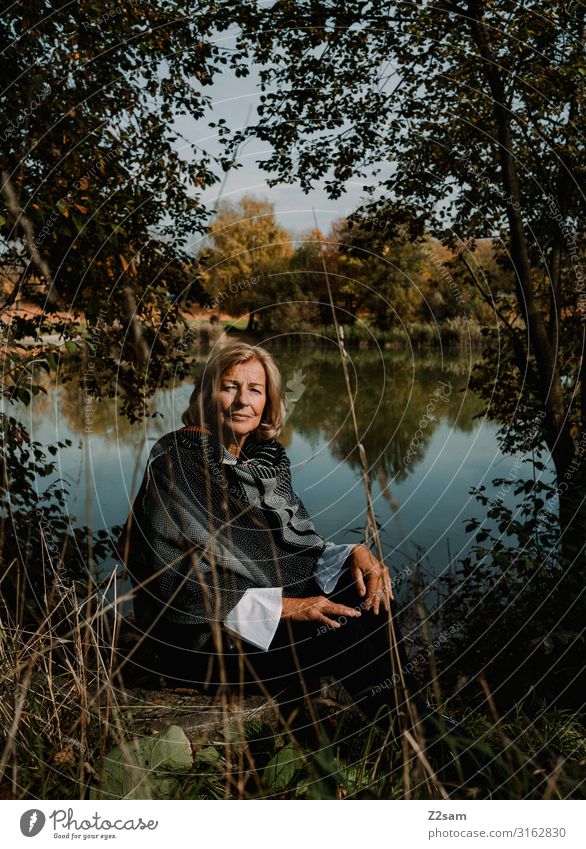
(357, 654)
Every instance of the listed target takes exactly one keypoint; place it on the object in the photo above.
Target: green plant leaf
(283, 767)
(144, 772)
(209, 755)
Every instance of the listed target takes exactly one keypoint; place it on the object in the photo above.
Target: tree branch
(26, 226)
(550, 388)
(521, 355)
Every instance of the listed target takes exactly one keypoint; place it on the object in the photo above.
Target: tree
(98, 202)
(308, 267)
(468, 114)
(377, 274)
(387, 271)
(247, 252)
(98, 205)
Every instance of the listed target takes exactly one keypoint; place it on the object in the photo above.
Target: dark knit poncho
(209, 530)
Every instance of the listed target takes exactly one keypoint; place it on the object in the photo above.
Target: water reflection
(394, 399)
(424, 454)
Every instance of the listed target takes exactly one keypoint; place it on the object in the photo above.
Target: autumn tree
(387, 273)
(101, 196)
(464, 116)
(101, 192)
(246, 258)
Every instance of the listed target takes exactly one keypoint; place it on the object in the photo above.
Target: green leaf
(22, 395)
(209, 755)
(282, 768)
(143, 771)
(71, 347)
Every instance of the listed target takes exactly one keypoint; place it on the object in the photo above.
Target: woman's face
(241, 399)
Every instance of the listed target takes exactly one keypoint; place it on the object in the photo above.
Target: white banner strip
(256, 824)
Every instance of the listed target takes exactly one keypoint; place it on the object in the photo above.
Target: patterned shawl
(201, 532)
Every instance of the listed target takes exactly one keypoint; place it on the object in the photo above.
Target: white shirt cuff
(330, 565)
(256, 616)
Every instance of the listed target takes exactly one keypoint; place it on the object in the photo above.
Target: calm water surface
(425, 442)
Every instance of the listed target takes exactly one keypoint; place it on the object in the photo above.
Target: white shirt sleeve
(330, 565)
(256, 616)
(258, 613)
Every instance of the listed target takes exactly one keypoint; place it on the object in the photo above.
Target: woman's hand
(315, 609)
(371, 577)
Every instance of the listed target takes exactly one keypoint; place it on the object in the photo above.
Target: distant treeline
(384, 287)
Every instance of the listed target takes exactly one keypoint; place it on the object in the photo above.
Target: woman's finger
(335, 609)
(331, 622)
(372, 585)
(359, 581)
(379, 595)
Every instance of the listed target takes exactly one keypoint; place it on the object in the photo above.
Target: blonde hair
(202, 409)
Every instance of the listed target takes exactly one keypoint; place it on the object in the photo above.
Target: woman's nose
(242, 399)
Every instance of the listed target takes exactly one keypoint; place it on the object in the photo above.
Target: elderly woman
(232, 581)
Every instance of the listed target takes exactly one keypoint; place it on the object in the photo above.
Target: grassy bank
(453, 333)
(67, 734)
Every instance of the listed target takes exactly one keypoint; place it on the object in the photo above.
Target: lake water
(425, 442)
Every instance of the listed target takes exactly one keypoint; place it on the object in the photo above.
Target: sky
(233, 97)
